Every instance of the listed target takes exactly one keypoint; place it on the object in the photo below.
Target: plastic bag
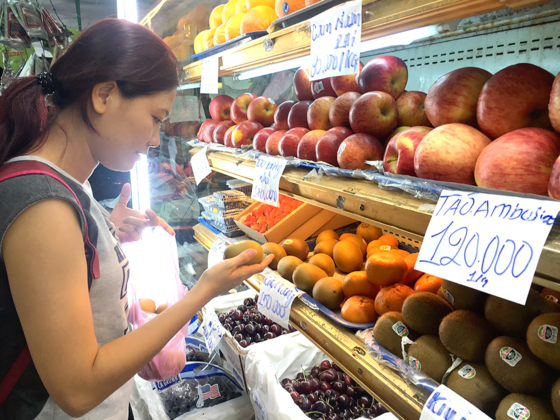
(154, 275)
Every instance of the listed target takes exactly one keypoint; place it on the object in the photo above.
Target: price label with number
(335, 42)
(212, 330)
(266, 181)
(490, 243)
(210, 73)
(445, 404)
(276, 298)
(200, 165)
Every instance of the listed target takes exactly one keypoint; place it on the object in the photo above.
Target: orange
(241, 7)
(372, 244)
(392, 298)
(208, 40)
(356, 283)
(220, 34)
(228, 11)
(369, 232)
(258, 18)
(428, 283)
(253, 3)
(359, 309)
(376, 249)
(401, 252)
(216, 16)
(285, 7)
(233, 26)
(385, 268)
(198, 42)
(412, 273)
(344, 236)
(389, 240)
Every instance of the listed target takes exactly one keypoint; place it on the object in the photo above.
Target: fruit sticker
(518, 412)
(400, 329)
(286, 7)
(553, 299)
(510, 356)
(318, 87)
(467, 372)
(414, 363)
(288, 241)
(548, 333)
(449, 296)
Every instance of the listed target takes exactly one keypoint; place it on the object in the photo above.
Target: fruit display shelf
(343, 347)
(380, 18)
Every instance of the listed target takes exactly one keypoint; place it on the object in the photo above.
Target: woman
(63, 275)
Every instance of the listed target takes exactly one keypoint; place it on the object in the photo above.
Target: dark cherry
(325, 365)
(265, 329)
(229, 319)
(320, 406)
(291, 328)
(257, 337)
(336, 367)
(305, 387)
(327, 376)
(268, 321)
(344, 400)
(313, 398)
(276, 329)
(339, 386)
(250, 329)
(257, 317)
(315, 372)
(356, 411)
(340, 376)
(346, 414)
(246, 318)
(243, 343)
(324, 386)
(315, 384)
(332, 395)
(294, 395)
(249, 302)
(238, 337)
(242, 308)
(284, 332)
(350, 391)
(300, 376)
(286, 381)
(249, 339)
(380, 409)
(256, 298)
(222, 318)
(237, 315)
(320, 394)
(333, 416)
(347, 378)
(290, 388)
(365, 401)
(238, 329)
(304, 403)
(359, 390)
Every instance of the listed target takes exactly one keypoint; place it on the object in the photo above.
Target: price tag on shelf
(276, 297)
(210, 72)
(445, 404)
(216, 253)
(335, 42)
(200, 165)
(212, 330)
(266, 181)
(487, 242)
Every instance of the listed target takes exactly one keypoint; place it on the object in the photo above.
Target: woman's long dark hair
(111, 50)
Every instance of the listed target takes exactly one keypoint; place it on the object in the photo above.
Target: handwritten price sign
(487, 242)
(200, 165)
(266, 181)
(335, 42)
(212, 330)
(210, 74)
(445, 404)
(276, 297)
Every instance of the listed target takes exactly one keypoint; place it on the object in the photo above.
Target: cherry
(284, 332)
(359, 390)
(246, 318)
(347, 378)
(243, 343)
(365, 401)
(339, 386)
(295, 396)
(325, 365)
(238, 329)
(313, 398)
(276, 329)
(315, 372)
(320, 393)
(356, 411)
(304, 403)
(242, 308)
(222, 318)
(265, 329)
(256, 298)
(332, 395)
(290, 388)
(249, 302)
(238, 337)
(380, 409)
(340, 376)
(257, 337)
(291, 328)
(327, 376)
(300, 376)
(305, 387)
(320, 406)
(315, 384)
(286, 381)
(250, 329)
(350, 391)
(336, 367)
(237, 315)
(325, 386)
(333, 416)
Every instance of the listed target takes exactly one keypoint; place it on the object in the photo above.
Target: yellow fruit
(216, 16)
(198, 42)
(233, 26)
(147, 305)
(241, 7)
(259, 18)
(228, 11)
(208, 40)
(220, 34)
(253, 3)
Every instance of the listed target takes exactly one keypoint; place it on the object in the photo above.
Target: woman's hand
(227, 274)
(131, 223)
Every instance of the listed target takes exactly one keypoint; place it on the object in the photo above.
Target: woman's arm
(44, 254)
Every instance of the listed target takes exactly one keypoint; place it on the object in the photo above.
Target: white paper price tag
(216, 253)
(266, 181)
(487, 242)
(212, 330)
(445, 404)
(210, 73)
(335, 41)
(200, 165)
(276, 297)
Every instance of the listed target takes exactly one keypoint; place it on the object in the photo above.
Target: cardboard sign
(200, 165)
(445, 404)
(266, 181)
(210, 73)
(490, 243)
(335, 42)
(276, 298)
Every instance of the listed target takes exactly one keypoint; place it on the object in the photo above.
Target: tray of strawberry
(264, 216)
(326, 392)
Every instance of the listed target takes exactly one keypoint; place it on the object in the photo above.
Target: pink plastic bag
(154, 275)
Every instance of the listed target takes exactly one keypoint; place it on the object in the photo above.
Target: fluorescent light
(402, 38)
(189, 86)
(139, 180)
(126, 9)
(274, 68)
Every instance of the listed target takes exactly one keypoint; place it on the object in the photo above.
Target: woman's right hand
(227, 274)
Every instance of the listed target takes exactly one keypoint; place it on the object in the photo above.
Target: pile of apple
(472, 127)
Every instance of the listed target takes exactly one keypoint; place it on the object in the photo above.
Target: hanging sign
(335, 42)
(445, 404)
(210, 72)
(266, 180)
(276, 297)
(490, 243)
(200, 165)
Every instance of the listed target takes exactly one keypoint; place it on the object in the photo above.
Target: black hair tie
(46, 80)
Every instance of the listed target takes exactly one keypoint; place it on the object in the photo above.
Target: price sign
(276, 297)
(216, 253)
(212, 330)
(490, 243)
(335, 42)
(445, 404)
(200, 165)
(266, 181)
(210, 72)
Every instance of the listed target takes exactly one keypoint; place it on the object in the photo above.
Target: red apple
(340, 109)
(262, 110)
(554, 183)
(289, 143)
(298, 132)
(356, 149)
(259, 142)
(374, 113)
(318, 113)
(206, 131)
(238, 110)
(302, 85)
(298, 115)
(220, 107)
(328, 144)
(244, 133)
(281, 115)
(228, 140)
(386, 74)
(399, 154)
(453, 97)
(307, 145)
(220, 131)
(519, 161)
(347, 83)
(411, 109)
(449, 153)
(321, 88)
(554, 104)
(515, 97)
(396, 131)
(272, 142)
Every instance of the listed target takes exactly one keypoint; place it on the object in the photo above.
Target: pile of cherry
(248, 326)
(326, 392)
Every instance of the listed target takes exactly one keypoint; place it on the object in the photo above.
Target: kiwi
(306, 275)
(462, 297)
(324, 262)
(326, 234)
(542, 338)
(512, 319)
(237, 248)
(287, 265)
(277, 250)
(512, 364)
(555, 397)
(296, 247)
(423, 312)
(325, 247)
(515, 405)
(389, 330)
(466, 335)
(430, 356)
